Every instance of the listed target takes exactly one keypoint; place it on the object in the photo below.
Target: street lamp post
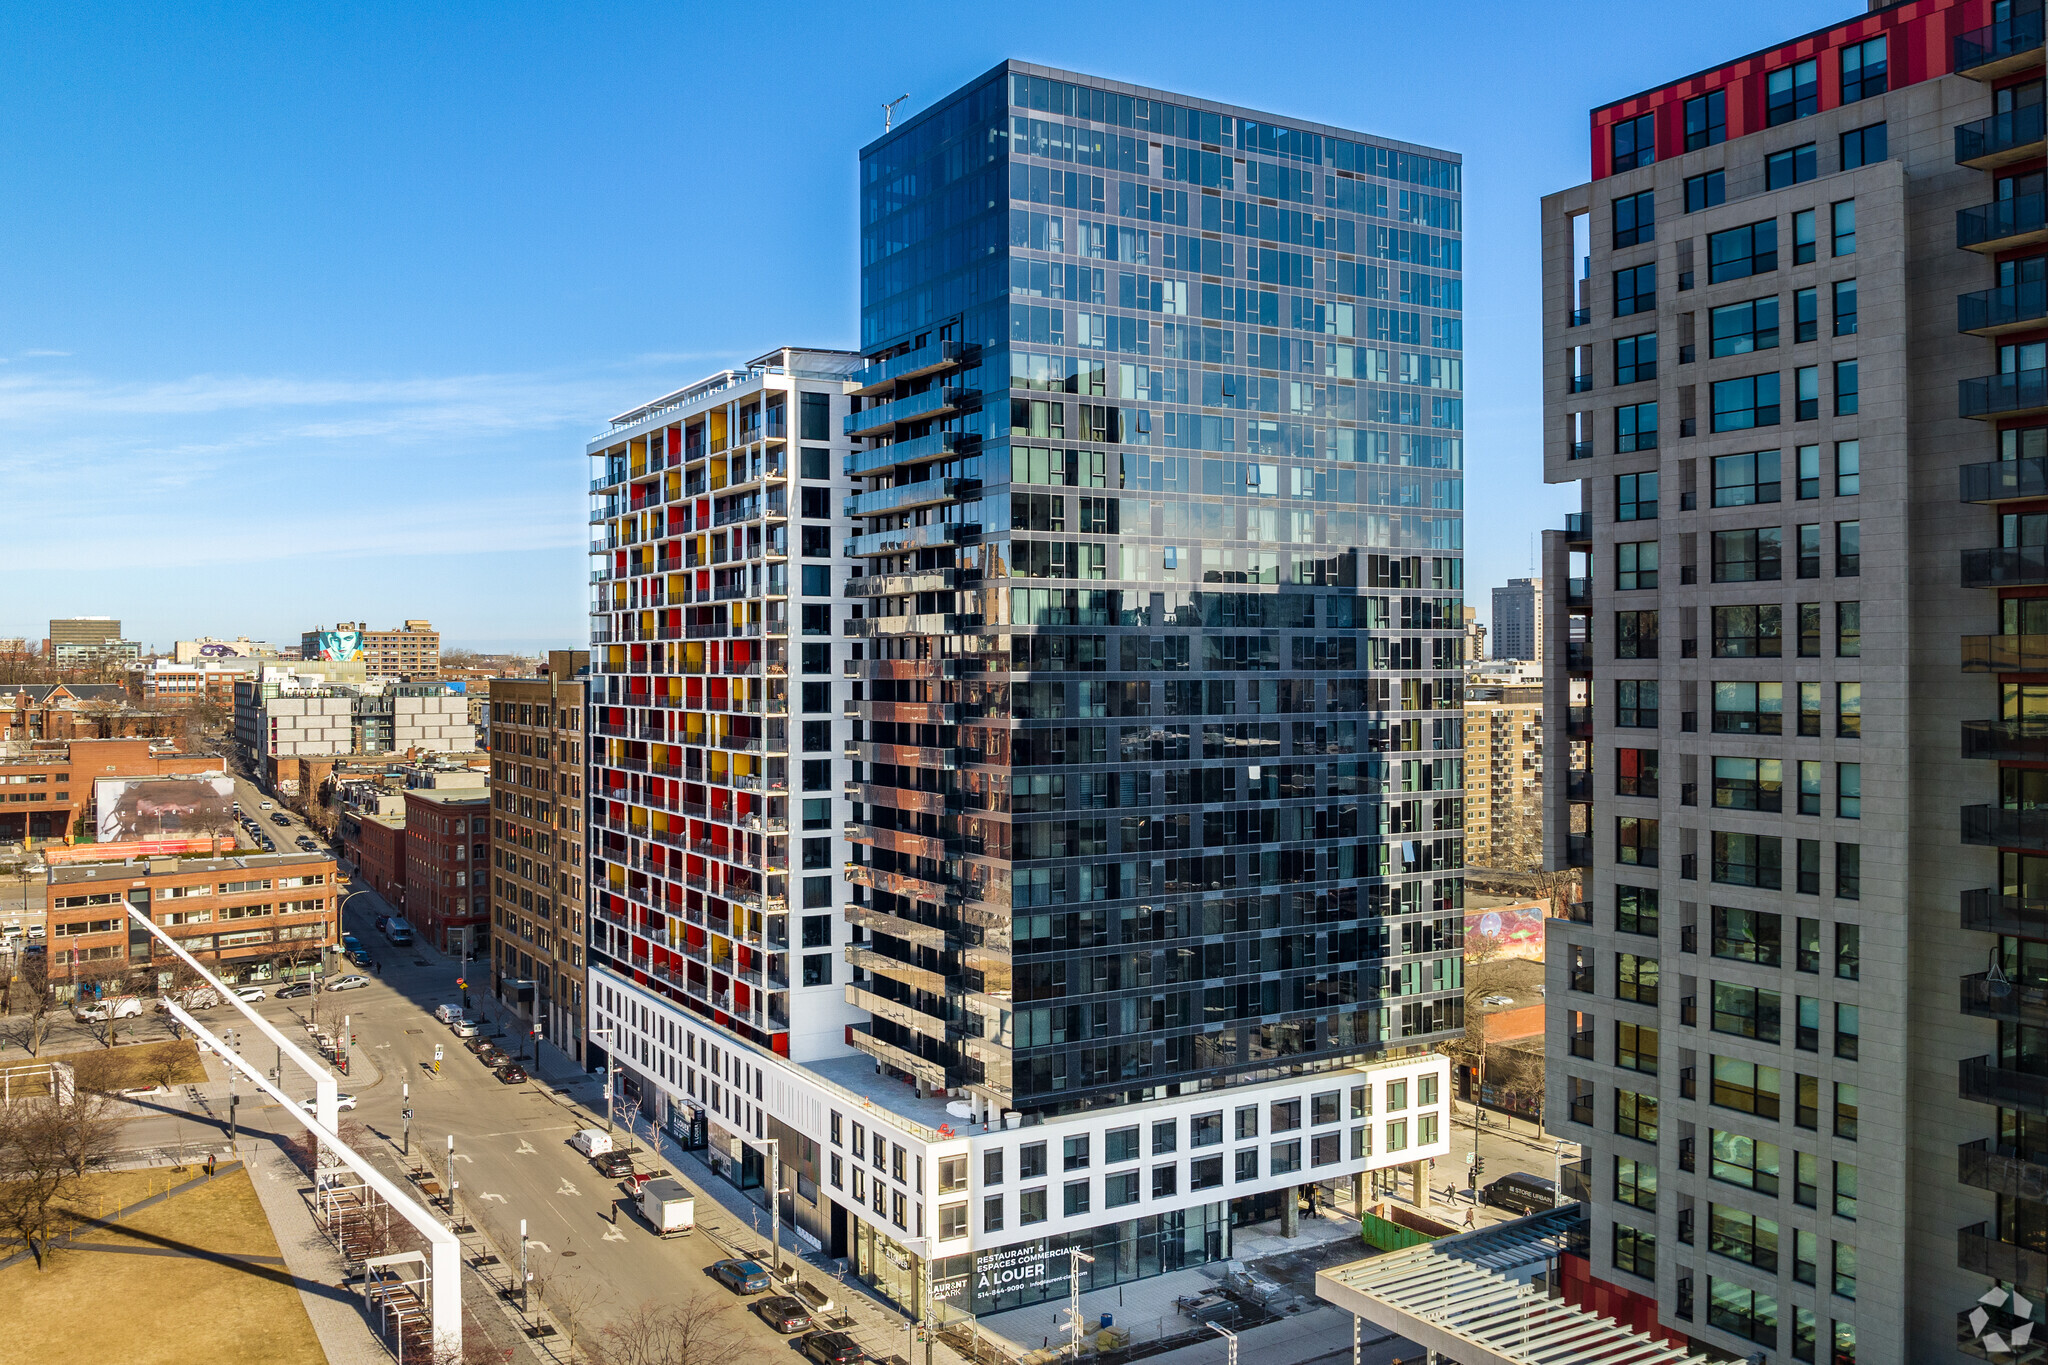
(1231, 1337)
(607, 1034)
(1074, 1258)
(405, 1117)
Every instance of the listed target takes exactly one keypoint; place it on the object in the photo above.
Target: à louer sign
(1000, 1271)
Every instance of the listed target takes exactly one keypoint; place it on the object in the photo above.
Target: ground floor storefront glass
(1023, 1273)
(886, 1266)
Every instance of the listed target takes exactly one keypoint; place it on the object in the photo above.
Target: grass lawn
(101, 1303)
(134, 1066)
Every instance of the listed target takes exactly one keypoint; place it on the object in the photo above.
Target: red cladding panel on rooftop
(1921, 45)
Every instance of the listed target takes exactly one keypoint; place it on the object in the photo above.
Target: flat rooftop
(858, 1074)
(450, 796)
(134, 868)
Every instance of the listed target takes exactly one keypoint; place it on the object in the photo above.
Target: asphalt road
(589, 1253)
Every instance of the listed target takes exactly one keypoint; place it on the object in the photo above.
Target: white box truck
(668, 1208)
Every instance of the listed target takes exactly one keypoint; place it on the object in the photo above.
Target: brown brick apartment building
(537, 846)
(259, 917)
(44, 792)
(412, 653)
(447, 878)
(377, 845)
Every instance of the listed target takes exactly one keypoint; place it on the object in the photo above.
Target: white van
(592, 1142)
(113, 1007)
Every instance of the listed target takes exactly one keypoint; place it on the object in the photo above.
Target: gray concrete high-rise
(1793, 358)
(1518, 620)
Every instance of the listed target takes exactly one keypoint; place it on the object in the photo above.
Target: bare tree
(697, 1330)
(1481, 948)
(35, 1172)
(87, 1128)
(28, 993)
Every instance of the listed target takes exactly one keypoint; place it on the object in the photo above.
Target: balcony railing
(1578, 850)
(1987, 997)
(1998, 827)
(1578, 785)
(1980, 1252)
(2014, 394)
(1578, 723)
(916, 407)
(1990, 311)
(1577, 1185)
(2006, 566)
(2003, 223)
(1989, 910)
(1579, 912)
(1578, 592)
(2024, 740)
(1983, 1080)
(885, 458)
(1575, 526)
(932, 356)
(1992, 142)
(1578, 656)
(1986, 1165)
(2004, 480)
(1998, 49)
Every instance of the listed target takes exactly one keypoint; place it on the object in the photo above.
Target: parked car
(1521, 1192)
(340, 1102)
(446, 1014)
(298, 990)
(381, 921)
(741, 1277)
(613, 1165)
(354, 981)
(592, 1142)
(831, 1348)
(464, 1028)
(783, 1313)
(351, 941)
(358, 956)
(281, 819)
(479, 1045)
(249, 994)
(492, 1056)
(511, 1073)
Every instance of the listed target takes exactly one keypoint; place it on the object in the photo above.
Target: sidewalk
(740, 1226)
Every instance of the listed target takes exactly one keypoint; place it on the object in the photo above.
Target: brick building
(210, 680)
(45, 791)
(537, 846)
(447, 856)
(258, 917)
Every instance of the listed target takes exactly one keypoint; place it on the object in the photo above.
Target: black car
(477, 1045)
(511, 1073)
(382, 920)
(297, 990)
(359, 957)
(613, 1165)
(784, 1314)
(492, 1056)
(281, 819)
(832, 1348)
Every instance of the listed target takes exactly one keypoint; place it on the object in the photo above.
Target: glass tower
(1157, 745)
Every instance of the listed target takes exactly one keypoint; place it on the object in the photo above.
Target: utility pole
(230, 1039)
(525, 1280)
(451, 1182)
(608, 1034)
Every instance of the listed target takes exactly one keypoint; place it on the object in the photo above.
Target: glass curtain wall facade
(1157, 743)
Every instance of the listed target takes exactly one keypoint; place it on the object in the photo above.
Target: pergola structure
(1473, 1299)
(444, 1274)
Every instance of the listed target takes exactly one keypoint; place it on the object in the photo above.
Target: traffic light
(1478, 1167)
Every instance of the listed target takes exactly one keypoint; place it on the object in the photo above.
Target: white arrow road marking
(464, 1156)
(542, 1245)
(524, 1148)
(499, 1197)
(614, 1235)
(567, 1188)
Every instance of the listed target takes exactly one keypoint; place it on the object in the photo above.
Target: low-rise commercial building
(204, 680)
(258, 917)
(47, 791)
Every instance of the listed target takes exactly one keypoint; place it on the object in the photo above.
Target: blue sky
(306, 311)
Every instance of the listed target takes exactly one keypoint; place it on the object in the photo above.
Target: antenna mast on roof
(889, 112)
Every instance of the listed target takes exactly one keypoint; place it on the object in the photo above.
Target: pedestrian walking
(209, 1165)
(377, 966)
(1468, 1218)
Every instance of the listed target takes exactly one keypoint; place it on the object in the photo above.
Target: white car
(249, 994)
(354, 981)
(340, 1102)
(464, 1028)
